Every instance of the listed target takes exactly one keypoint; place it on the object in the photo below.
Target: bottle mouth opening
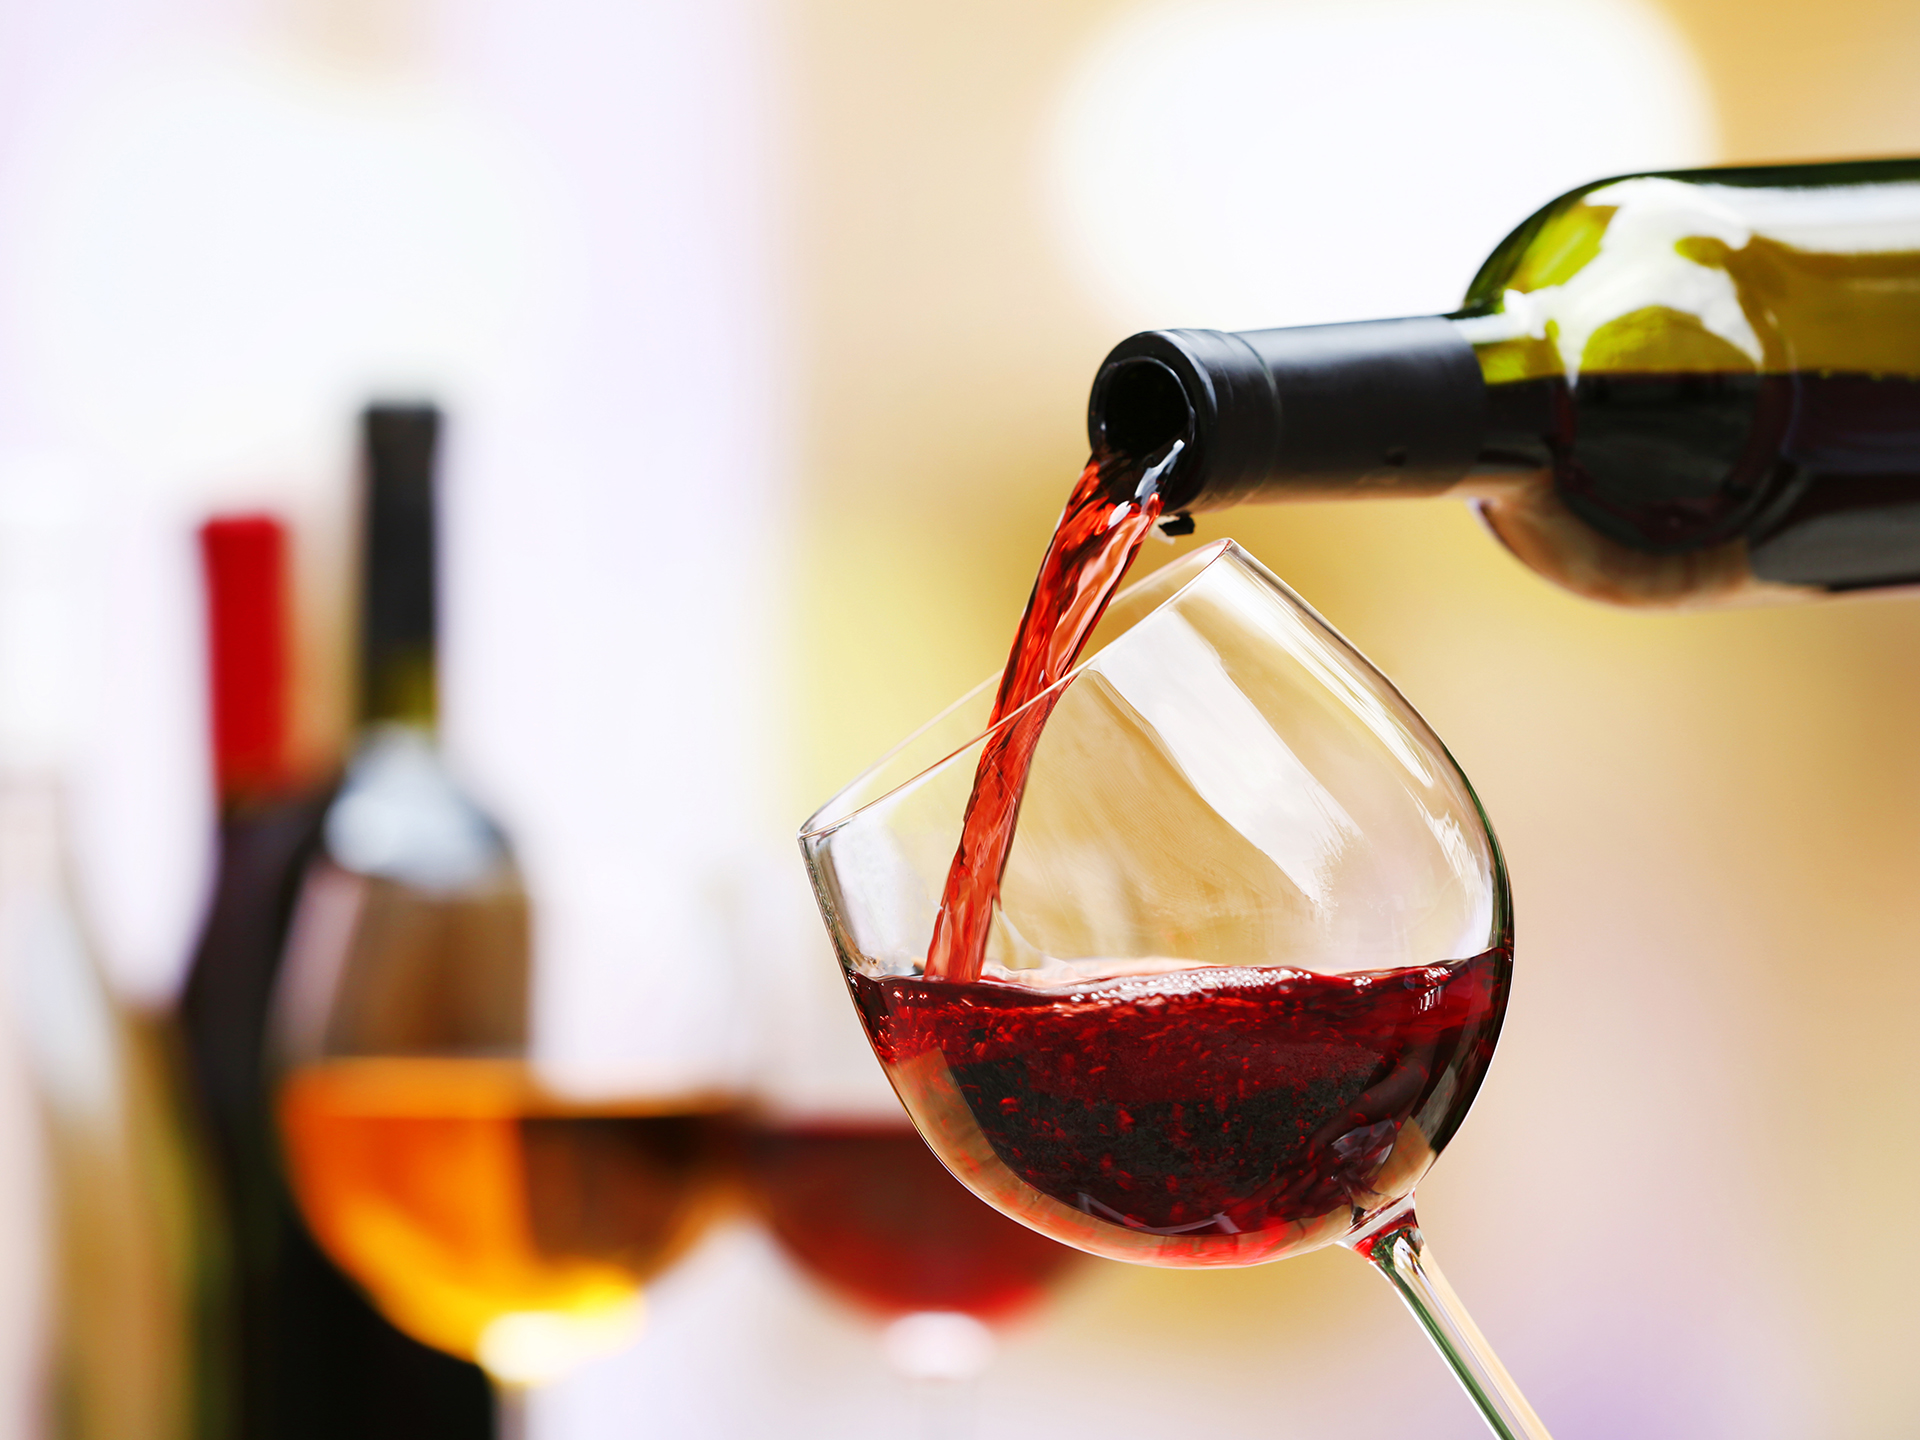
(1142, 409)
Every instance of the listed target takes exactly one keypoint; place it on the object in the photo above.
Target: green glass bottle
(1667, 389)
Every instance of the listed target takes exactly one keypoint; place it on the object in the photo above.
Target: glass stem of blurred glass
(510, 1419)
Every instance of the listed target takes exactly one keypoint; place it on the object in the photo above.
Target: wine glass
(492, 1203)
(852, 1194)
(1248, 964)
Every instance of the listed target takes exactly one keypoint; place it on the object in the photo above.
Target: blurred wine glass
(1246, 964)
(114, 1325)
(854, 1196)
(487, 1206)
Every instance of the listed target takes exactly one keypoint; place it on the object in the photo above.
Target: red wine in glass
(1245, 1111)
(1220, 1116)
(866, 1208)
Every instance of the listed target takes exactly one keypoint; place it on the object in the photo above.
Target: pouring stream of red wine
(1113, 506)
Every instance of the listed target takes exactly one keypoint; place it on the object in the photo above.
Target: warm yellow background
(1676, 1208)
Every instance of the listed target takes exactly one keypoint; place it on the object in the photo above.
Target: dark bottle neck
(1377, 407)
(398, 681)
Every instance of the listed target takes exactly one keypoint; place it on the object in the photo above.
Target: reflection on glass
(1719, 372)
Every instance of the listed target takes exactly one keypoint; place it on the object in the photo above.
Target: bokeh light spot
(1279, 162)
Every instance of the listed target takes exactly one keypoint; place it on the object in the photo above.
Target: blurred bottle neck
(401, 688)
(399, 609)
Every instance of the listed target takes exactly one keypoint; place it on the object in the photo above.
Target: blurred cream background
(767, 325)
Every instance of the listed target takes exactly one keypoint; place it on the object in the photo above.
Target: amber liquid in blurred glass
(487, 1216)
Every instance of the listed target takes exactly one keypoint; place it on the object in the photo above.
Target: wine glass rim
(816, 826)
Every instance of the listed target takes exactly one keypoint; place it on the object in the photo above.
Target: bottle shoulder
(402, 815)
(1764, 269)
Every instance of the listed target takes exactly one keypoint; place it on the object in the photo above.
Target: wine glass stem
(1399, 1251)
(946, 1408)
(509, 1412)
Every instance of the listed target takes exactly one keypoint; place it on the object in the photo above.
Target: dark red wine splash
(1113, 506)
(1238, 1113)
(869, 1210)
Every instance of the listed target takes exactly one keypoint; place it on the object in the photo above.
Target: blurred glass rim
(899, 770)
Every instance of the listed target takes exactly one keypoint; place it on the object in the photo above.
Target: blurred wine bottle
(313, 1358)
(135, 1270)
(266, 828)
(411, 931)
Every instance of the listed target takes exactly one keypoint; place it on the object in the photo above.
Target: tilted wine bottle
(1692, 387)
